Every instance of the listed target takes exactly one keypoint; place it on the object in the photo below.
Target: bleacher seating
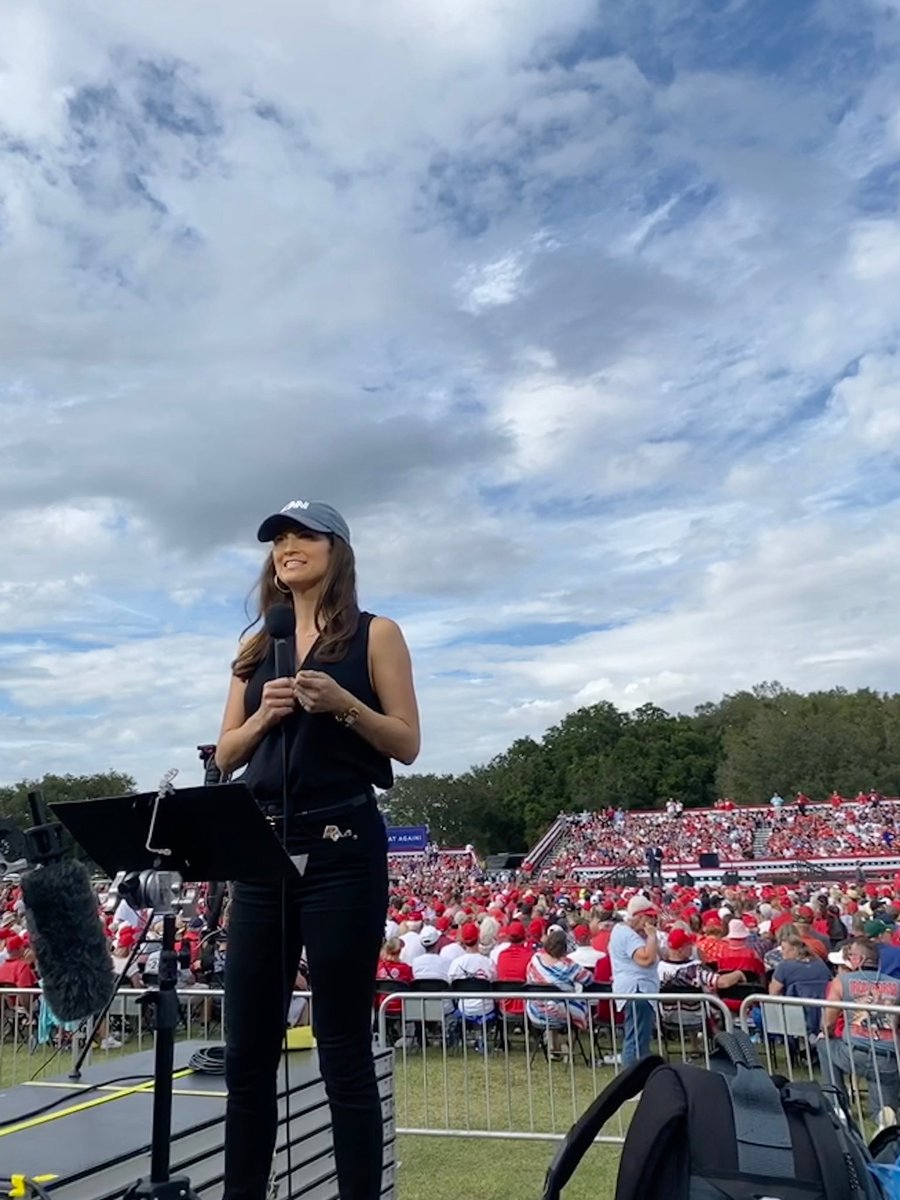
(868, 826)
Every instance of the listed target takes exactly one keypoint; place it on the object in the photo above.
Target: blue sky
(583, 314)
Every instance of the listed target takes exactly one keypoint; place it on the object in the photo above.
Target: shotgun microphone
(68, 939)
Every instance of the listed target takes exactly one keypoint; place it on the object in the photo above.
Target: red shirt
(733, 958)
(511, 968)
(17, 973)
(601, 940)
(396, 972)
(603, 974)
(709, 948)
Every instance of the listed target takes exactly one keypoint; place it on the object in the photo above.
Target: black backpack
(728, 1133)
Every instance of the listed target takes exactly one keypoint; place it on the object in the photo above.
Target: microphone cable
(208, 1060)
(281, 624)
(288, 992)
(23, 1186)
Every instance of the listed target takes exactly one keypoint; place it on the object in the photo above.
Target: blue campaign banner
(407, 837)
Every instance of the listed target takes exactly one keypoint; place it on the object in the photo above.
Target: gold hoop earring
(282, 587)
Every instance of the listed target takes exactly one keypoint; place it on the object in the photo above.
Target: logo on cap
(295, 504)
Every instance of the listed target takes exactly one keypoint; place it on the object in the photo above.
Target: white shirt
(586, 956)
(451, 951)
(474, 966)
(412, 947)
(498, 950)
(431, 966)
(125, 915)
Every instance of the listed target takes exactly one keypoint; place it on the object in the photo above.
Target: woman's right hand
(277, 701)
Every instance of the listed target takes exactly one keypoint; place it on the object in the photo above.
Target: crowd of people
(838, 943)
(867, 824)
(448, 922)
(619, 838)
(442, 870)
(134, 942)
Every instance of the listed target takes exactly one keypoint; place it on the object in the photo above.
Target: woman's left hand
(317, 692)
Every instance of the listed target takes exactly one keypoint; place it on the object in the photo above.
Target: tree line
(746, 746)
(14, 805)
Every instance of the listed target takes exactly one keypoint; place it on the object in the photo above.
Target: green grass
(500, 1093)
(440, 1168)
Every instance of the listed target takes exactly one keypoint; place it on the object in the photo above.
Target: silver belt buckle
(333, 833)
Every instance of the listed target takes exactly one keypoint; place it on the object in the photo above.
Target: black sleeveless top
(326, 762)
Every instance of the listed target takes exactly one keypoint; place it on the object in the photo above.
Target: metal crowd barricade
(788, 1030)
(499, 1075)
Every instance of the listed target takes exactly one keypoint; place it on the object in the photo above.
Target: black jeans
(337, 912)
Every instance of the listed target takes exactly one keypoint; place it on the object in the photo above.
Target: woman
(776, 954)
(800, 972)
(392, 969)
(550, 968)
(347, 712)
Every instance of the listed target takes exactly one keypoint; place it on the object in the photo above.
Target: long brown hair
(336, 615)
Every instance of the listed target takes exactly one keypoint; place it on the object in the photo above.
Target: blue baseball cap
(310, 514)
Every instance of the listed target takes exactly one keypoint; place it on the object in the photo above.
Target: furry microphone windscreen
(68, 940)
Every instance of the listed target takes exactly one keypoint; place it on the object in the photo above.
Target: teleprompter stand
(152, 841)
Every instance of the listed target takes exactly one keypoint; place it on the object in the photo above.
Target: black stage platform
(97, 1143)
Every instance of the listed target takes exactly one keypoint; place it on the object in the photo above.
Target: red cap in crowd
(805, 913)
(15, 943)
(468, 934)
(536, 929)
(516, 931)
(678, 939)
(582, 934)
(442, 924)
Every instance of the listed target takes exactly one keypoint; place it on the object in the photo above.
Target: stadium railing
(493, 1074)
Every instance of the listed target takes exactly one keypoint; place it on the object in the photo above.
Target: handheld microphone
(280, 626)
(68, 939)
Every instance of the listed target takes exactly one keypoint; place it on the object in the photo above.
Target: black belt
(275, 813)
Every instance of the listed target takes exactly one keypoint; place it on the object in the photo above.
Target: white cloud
(869, 403)
(597, 349)
(875, 250)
